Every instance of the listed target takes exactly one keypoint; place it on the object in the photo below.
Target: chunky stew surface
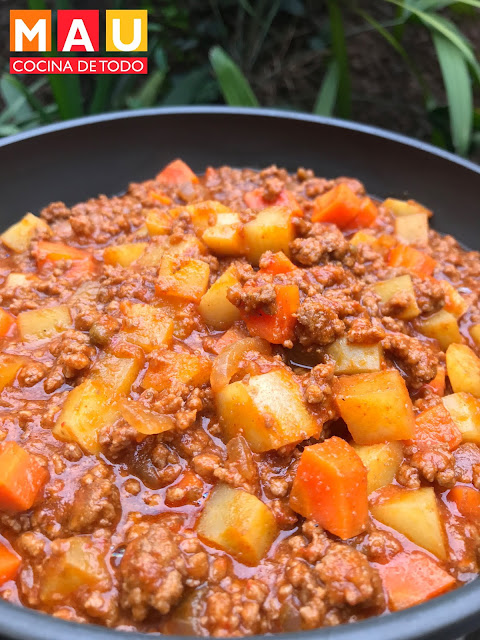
(246, 402)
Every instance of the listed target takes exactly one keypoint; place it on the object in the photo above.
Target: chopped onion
(225, 365)
(146, 422)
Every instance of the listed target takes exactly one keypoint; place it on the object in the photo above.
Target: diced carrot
(276, 263)
(160, 197)
(340, 205)
(9, 564)
(437, 385)
(467, 500)
(21, 478)
(83, 263)
(365, 217)
(436, 425)
(54, 251)
(413, 260)
(255, 200)
(413, 578)
(331, 488)
(229, 337)
(276, 328)
(6, 322)
(176, 173)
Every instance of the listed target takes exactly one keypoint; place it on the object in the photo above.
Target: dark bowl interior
(78, 160)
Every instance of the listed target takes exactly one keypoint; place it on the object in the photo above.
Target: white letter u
(137, 35)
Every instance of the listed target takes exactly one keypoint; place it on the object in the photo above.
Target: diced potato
(225, 238)
(441, 326)
(158, 223)
(405, 207)
(189, 282)
(271, 230)
(375, 406)
(463, 369)
(19, 236)
(363, 237)
(14, 280)
(146, 326)
(269, 410)
(355, 358)
(400, 286)
(124, 254)
(76, 564)
(116, 374)
(382, 462)
(205, 213)
(414, 514)
(216, 310)
(43, 323)
(465, 412)
(9, 367)
(239, 523)
(153, 255)
(455, 303)
(87, 409)
(412, 229)
(185, 367)
(475, 333)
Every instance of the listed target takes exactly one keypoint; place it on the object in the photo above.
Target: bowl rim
(451, 614)
(241, 111)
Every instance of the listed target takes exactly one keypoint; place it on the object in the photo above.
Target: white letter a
(78, 26)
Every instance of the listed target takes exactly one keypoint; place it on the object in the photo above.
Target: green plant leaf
(8, 130)
(447, 29)
(456, 79)
(186, 87)
(327, 95)
(68, 95)
(233, 84)
(339, 51)
(15, 99)
(392, 41)
(147, 95)
(21, 103)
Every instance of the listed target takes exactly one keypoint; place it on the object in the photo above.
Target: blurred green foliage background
(407, 65)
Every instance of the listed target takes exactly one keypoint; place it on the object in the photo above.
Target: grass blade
(327, 95)
(233, 84)
(339, 51)
(458, 87)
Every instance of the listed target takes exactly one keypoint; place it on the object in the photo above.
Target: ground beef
(153, 573)
(130, 512)
(318, 384)
(365, 331)
(318, 322)
(96, 504)
(240, 469)
(429, 294)
(435, 465)
(416, 358)
(349, 578)
(73, 353)
(324, 241)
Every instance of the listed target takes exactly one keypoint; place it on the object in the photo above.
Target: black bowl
(82, 158)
